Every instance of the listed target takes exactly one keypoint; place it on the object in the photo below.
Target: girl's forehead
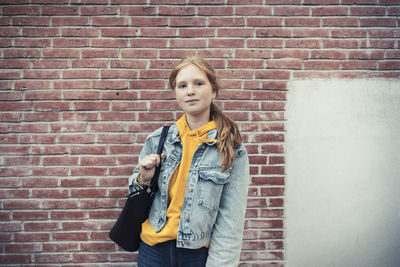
(190, 71)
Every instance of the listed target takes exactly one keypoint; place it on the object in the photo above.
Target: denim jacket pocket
(210, 184)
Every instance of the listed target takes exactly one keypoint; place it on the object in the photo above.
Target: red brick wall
(83, 83)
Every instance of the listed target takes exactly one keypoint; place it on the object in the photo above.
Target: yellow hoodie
(177, 185)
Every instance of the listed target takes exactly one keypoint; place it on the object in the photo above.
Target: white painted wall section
(343, 173)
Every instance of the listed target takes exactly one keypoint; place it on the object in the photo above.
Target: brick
(270, 192)
(349, 33)
(80, 116)
(100, 53)
(79, 32)
(80, 95)
(84, 193)
(110, 21)
(27, 10)
(63, 247)
(77, 84)
(78, 182)
(49, 64)
(50, 193)
(284, 64)
(109, 43)
(21, 53)
(69, 21)
(51, 106)
(40, 32)
(328, 54)
(149, 22)
(137, 11)
(215, 11)
(149, 43)
(9, 117)
(265, 224)
(302, 22)
(76, 139)
(264, 22)
(377, 22)
(205, 2)
(115, 138)
(310, 32)
(119, 32)
(147, 84)
(176, 10)
(359, 65)
(262, 43)
(329, 11)
(9, 75)
(384, 33)
(32, 237)
(367, 11)
(273, 32)
(80, 74)
(321, 65)
(118, 74)
(13, 259)
(384, 44)
(86, 171)
(251, 11)
(241, 105)
(9, 32)
(20, 161)
(40, 171)
(292, 11)
(51, 258)
(303, 43)
(122, 116)
(60, 53)
(29, 21)
(389, 65)
(98, 10)
(60, 10)
(110, 84)
(89, 63)
(227, 22)
(72, 236)
(342, 22)
(97, 161)
(340, 43)
(39, 182)
(293, 53)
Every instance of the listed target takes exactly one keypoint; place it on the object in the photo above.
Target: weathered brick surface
(83, 82)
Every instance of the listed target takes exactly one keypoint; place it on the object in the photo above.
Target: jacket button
(190, 190)
(187, 217)
(186, 243)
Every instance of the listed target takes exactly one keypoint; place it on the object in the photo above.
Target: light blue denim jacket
(214, 204)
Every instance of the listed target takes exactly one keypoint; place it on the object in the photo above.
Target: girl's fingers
(150, 161)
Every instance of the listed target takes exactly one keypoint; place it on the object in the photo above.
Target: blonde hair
(228, 131)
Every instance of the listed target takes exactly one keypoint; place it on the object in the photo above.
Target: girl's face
(194, 92)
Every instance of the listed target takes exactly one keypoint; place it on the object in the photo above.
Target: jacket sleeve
(226, 238)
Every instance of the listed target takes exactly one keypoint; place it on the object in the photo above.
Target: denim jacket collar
(174, 137)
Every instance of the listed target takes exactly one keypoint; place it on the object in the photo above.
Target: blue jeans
(168, 255)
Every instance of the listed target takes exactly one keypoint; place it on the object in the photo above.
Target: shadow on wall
(343, 173)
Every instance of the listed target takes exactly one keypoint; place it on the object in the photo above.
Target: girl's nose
(190, 89)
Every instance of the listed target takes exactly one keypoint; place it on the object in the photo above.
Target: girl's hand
(147, 166)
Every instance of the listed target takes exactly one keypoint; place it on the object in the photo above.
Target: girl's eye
(182, 86)
(199, 83)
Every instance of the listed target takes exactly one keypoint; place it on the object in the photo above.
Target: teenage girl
(197, 217)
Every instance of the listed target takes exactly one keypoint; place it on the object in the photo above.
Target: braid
(227, 130)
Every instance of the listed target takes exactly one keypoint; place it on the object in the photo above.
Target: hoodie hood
(200, 134)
